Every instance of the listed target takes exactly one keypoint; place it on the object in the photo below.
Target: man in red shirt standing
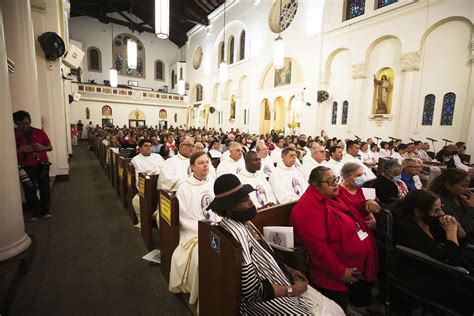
(31, 147)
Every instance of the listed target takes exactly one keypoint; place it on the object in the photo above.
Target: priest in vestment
(232, 164)
(267, 162)
(335, 162)
(316, 158)
(176, 169)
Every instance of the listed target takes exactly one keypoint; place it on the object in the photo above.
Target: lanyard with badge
(360, 232)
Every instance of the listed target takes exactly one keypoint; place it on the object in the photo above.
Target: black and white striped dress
(258, 266)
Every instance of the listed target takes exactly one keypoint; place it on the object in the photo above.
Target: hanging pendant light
(131, 54)
(162, 18)
(223, 64)
(279, 47)
(113, 76)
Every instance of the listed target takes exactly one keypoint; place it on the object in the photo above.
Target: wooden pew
(466, 159)
(169, 229)
(148, 192)
(220, 262)
(115, 170)
(122, 179)
(131, 190)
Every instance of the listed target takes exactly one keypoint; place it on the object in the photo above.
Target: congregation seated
(268, 286)
(156, 146)
(214, 151)
(286, 181)
(342, 252)
(145, 162)
(453, 188)
(420, 151)
(422, 225)
(194, 196)
(175, 170)
(385, 150)
(456, 159)
(316, 158)
(198, 147)
(276, 152)
(233, 163)
(353, 149)
(267, 162)
(445, 157)
(263, 195)
(389, 186)
(169, 148)
(335, 162)
(374, 148)
(366, 154)
(410, 174)
(400, 153)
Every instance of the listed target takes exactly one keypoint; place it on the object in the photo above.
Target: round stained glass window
(197, 58)
(279, 23)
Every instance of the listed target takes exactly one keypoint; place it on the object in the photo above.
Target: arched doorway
(163, 119)
(280, 115)
(265, 116)
(136, 118)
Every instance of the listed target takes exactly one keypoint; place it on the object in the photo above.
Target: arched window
(334, 113)
(221, 52)
(119, 54)
(447, 113)
(230, 53)
(198, 93)
(353, 8)
(159, 70)
(383, 3)
(428, 110)
(242, 46)
(163, 115)
(345, 111)
(94, 59)
(172, 79)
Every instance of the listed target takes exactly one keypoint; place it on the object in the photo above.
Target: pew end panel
(220, 270)
(122, 184)
(168, 230)
(148, 193)
(131, 191)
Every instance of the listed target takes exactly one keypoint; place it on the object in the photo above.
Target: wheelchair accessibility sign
(215, 243)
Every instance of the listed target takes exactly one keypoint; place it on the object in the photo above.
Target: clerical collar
(248, 174)
(282, 165)
(200, 180)
(181, 156)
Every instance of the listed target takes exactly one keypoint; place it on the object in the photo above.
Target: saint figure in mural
(383, 88)
(232, 108)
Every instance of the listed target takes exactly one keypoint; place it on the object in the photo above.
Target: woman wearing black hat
(268, 287)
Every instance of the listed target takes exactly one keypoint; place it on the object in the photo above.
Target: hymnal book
(280, 237)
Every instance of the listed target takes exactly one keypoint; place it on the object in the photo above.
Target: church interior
(108, 107)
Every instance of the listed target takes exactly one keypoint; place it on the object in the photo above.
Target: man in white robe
(315, 159)
(145, 162)
(267, 162)
(263, 195)
(194, 196)
(176, 169)
(276, 153)
(400, 155)
(286, 181)
(335, 162)
(353, 149)
(232, 164)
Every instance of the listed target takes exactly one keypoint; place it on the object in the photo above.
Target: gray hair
(409, 162)
(390, 166)
(349, 168)
(315, 146)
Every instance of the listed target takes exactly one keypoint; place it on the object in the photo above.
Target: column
(467, 130)
(357, 108)
(20, 43)
(410, 105)
(13, 239)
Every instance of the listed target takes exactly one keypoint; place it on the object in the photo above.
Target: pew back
(220, 270)
(278, 215)
(148, 193)
(131, 190)
(122, 179)
(169, 229)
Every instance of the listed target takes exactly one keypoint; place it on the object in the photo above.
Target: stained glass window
(288, 12)
(428, 110)
(354, 8)
(383, 3)
(172, 79)
(159, 70)
(345, 111)
(119, 56)
(221, 53)
(334, 113)
(94, 58)
(447, 114)
(242, 46)
(231, 50)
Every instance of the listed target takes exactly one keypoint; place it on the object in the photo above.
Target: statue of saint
(383, 88)
(232, 108)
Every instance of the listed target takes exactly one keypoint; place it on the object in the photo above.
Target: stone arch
(439, 23)
(240, 87)
(215, 92)
(136, 115)
(375, 43)
(197, 93)
(297, 74)
(329, 60)
(265, 116)
(232, 25)
(227, 90)
(280, 113)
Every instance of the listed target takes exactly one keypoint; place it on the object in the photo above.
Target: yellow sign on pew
(141, 186)
(129, 180)
(165, 209)
(120, 172)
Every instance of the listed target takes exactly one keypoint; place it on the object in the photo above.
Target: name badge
(362, 234)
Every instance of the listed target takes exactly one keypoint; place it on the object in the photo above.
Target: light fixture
(162, 18)
(279, 47)
(131, 45)
(113, 77)
(223, 64)
(180, 86)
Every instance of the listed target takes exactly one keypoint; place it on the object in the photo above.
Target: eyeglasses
(332, 182)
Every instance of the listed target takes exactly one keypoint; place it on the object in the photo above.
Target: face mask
(397, 178)
(244, 216)
(302, 143)
(359, 181)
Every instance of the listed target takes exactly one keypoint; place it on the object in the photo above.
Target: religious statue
(383, 88)
(88, 114)
(232, 108)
